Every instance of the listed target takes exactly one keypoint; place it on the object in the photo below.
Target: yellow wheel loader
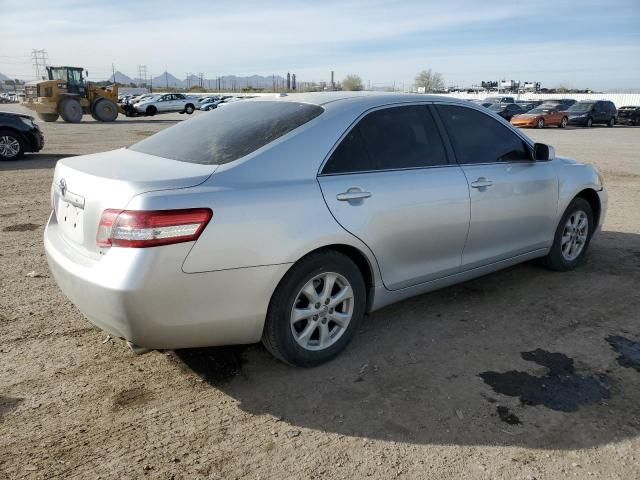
(66, 94)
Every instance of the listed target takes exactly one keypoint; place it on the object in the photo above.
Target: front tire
(104, 110)
(612, 122)
(11, 146)
(315, 310)
(572, 237)
(151, 110)
(540, 123)
(71, 110)
(189, 109)
(589, 123)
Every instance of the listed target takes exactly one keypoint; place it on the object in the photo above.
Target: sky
(575, 43)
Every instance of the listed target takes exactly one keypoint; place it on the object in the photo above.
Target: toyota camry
(286, 219)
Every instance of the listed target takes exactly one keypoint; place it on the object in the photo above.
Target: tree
(352, 83)
(430, 81)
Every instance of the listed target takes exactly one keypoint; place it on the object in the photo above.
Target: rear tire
(561, 257)
(611, 122)
(71, 110)
(589, 123)
(296, 328)
(11, 146)
(48, 117)
(189, 109)
(105, 110)
(563, 122)
(151, 110)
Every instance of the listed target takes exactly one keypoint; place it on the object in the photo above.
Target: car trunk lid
(85, 186)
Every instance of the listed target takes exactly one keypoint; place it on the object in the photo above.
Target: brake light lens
(151, 228)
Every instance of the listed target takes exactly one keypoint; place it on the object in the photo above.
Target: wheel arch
(591, 196)
(358, 257)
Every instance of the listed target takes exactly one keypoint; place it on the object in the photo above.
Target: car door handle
(481, 183)
(352, 195)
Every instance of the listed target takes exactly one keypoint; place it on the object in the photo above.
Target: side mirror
(542, 151)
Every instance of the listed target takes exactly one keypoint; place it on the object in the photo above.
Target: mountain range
(167, 79)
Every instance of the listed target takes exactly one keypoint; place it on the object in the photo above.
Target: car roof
(361, 100)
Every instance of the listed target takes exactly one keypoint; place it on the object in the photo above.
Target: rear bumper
(627, 121)
(142, 295)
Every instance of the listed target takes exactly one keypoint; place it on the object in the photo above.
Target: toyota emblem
(62, 184)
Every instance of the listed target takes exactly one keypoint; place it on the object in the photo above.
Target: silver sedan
(287, 219)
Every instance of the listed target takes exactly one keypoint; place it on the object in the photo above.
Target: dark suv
(18, 134)
(590, 112)
(629, 116)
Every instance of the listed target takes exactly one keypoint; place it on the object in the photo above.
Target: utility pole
(166, 79)
(40, 59)
(113, 69)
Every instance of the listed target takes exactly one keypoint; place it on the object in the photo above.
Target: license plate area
(71, 220)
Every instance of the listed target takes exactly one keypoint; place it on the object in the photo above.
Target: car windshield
(223, 136)
(540, 110)
(581, 107)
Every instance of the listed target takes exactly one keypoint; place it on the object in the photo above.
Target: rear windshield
(226, 134)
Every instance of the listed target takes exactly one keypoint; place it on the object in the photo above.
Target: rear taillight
(141, 229)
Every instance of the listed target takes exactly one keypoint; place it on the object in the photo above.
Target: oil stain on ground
(132, 397)
(22, 227)
(629, 351)
(8, 404)
(506, 416)
(560, 389)
(216, 365)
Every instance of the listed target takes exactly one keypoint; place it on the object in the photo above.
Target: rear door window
(389, 139)
(224, 135)
(479, 138)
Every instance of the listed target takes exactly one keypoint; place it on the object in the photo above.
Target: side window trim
(449, 143)
(428, 105)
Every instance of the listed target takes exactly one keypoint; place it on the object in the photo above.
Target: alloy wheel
(9, 146)
(322, 311)
(574, 235)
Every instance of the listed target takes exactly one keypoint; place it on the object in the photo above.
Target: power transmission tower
(40, 59)
(142, 73)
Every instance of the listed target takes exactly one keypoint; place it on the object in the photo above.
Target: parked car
(18, 134)
(563, 103)
(526, 106)
(205, 100)
(542, 116)
(590, 112)
(629, 116)
(286, 219)
(169, 102)
(481, 103)
(507, 110)
(500, 99)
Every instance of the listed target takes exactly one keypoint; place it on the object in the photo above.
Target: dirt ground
(523, 374)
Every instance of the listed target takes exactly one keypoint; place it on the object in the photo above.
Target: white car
(168, 102)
